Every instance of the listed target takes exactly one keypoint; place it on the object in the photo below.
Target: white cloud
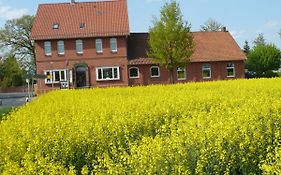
(7, 12)
(271, 24)
(237, 33)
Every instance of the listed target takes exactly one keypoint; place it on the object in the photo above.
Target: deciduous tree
(10, 72)
(263, 59)
(170, 40)
(211, 26)
(14, 37)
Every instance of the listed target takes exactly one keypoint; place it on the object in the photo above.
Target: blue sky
(245, 19)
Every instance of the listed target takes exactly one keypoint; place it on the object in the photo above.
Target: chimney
(223, 29)
(72, 1)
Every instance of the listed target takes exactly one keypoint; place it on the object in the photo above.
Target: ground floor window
(155, 71)
(181, 73)
(206, 71)
(134, 72)
(230, 71)
(107, 73)
(55, 76)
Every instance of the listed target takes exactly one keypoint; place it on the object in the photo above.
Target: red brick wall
(88, 46)
(193, 73)
(89, 56)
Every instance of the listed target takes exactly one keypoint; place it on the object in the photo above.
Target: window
(99, 45)
(47, 48)
(206, 71)
(79, 46)
(181, 73)
(113, 44)
(134, 72)
(155, 72)
(55, 76)
(56, 26)
(82, 25)
(108, 73)
(230, 70)
(60, 47)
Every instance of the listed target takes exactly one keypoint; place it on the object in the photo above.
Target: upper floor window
(155, 71)
(134, 72)
(56, 26)
(47, 48)
(99, 45)
(181, 73)
(60, 48)
(113, 44)
(230, 70)
(79, 46)
(206, 71)
(82, 25)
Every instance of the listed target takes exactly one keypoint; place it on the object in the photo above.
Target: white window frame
(48, 48)
(181, 69)
(79, 46)
(60, 47)
(107, 79)
(52, 73)
(154, 76)
(113, 42)
(138, 76)
(228, 68)
(209, 68)
(99, 41)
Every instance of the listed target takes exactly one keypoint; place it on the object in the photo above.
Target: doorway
(80, 74)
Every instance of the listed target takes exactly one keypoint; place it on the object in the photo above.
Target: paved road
(12, 99)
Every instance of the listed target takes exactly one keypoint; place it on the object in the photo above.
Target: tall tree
(170, 40)
(15, 38)
(246, 48)
(263, 59)
(260, 40)
(211, 26)
(11, 74)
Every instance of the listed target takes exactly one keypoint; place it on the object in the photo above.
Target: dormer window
(82, 25)
(56, 26)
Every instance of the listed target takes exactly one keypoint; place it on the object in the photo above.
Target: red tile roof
(215, 46)
(101, 18)
(209, 46)
(140, 61)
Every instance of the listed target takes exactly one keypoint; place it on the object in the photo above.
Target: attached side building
(216, 57)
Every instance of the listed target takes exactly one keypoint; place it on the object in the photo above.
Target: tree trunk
(172, 76)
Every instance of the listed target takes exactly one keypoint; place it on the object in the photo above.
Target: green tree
(280, 33)
(170, 40)
(263, 59)
(14, 37)
(211, 26)
(10, 72)
(246, 48)
(260, 40)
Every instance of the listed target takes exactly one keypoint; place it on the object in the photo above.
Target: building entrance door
(81, 77)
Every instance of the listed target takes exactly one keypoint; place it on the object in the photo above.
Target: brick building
(89, 44)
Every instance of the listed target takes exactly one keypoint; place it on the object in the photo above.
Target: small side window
(155, 71)
(134, 72)
(230, 70)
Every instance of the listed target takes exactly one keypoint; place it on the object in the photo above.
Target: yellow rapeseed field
(224, 127)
